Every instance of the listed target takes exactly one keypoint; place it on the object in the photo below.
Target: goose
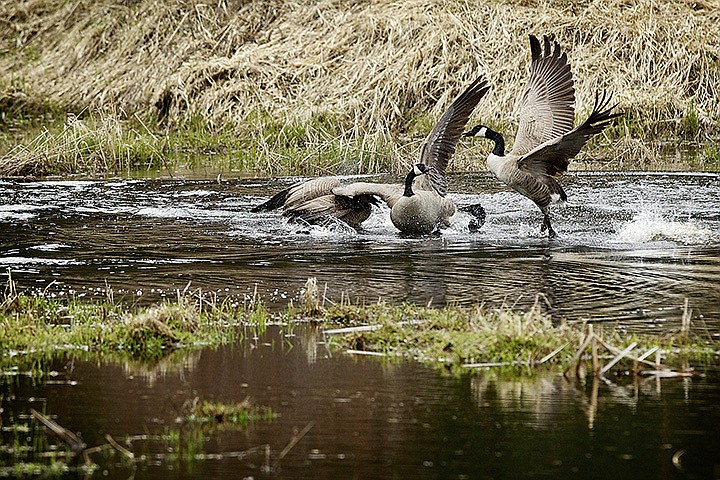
(418, 206)
(546, 140)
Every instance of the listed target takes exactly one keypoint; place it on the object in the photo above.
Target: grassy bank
(34, 325)
(452, 337)
(305, 87)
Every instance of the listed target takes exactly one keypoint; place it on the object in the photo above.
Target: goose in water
(417, 207)
(546, 140)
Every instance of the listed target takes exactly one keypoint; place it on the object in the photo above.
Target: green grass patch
(102, 144)
(453, 336)
(460, 337)
(35, 325)
(239, 414)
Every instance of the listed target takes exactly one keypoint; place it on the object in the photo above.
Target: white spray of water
(650, 226)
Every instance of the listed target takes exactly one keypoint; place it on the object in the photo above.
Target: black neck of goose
(499, 149)
(408, 184)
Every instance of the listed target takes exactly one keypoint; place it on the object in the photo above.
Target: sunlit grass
(458, 337)
(344, 88)
(453, 336)
(34, 324)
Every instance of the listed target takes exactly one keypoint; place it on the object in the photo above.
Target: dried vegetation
(346, 86)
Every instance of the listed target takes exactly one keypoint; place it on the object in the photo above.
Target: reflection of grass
(28, 449)
(21, 445)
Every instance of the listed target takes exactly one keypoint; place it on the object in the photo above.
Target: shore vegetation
(455, 337)
(304, 87)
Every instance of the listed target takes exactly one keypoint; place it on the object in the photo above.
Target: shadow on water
(632, 247)
(370, 419)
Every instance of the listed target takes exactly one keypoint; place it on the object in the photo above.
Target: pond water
(632, 250)
(366, 418)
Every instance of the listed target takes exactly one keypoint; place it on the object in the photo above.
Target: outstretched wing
(440, 143)
(553, 157)
(313, 201)
(298, 193)
(547, 105)
(388, 192)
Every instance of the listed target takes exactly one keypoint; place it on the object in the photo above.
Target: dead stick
(648, 353)
(576, 358)
(293, 442)
(119, 447)
(551, 354)
(595, 359)
(618, 357)
(615, 350)
(76, 444)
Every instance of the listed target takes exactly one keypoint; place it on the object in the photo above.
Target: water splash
(650, 226)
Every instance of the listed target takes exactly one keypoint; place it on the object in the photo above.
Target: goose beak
(467, 134)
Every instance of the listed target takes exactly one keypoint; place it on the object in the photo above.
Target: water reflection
(626, 253)
(374, 419)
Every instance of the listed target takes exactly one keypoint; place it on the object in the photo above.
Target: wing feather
(553, 157)
(440, 143)
(388, 192)
(547, 110)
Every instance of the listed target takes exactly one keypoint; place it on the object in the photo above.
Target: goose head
(478, 131)
(482, 131)
(417, 170)
(421, 169)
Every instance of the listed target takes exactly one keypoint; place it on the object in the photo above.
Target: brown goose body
(314, 202)
(422, 213)
(417, 206)
(546, 140)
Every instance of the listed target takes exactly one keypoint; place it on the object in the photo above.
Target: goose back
(422, 213)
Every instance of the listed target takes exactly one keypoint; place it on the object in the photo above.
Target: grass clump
(92, 145)
(239, 414)
(34, 324)
(460, 338)
(453, 335)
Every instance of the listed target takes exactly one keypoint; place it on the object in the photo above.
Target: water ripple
(631, 247)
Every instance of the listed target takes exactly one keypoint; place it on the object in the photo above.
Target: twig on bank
(593, 340)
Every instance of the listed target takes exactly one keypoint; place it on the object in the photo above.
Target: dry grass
(101, 146)
(360, 75)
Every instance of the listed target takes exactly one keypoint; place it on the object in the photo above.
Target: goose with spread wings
(418, 206)
(546, 140)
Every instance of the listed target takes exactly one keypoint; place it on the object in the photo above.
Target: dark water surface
(369, 419)
(632, 249)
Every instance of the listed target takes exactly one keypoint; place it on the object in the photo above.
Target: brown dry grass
(370, 73)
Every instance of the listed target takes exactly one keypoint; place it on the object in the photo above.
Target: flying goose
(417, 207)
(546, 141)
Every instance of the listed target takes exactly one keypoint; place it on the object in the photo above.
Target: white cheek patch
(555, 198)
(417, 170)
(481, 132)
